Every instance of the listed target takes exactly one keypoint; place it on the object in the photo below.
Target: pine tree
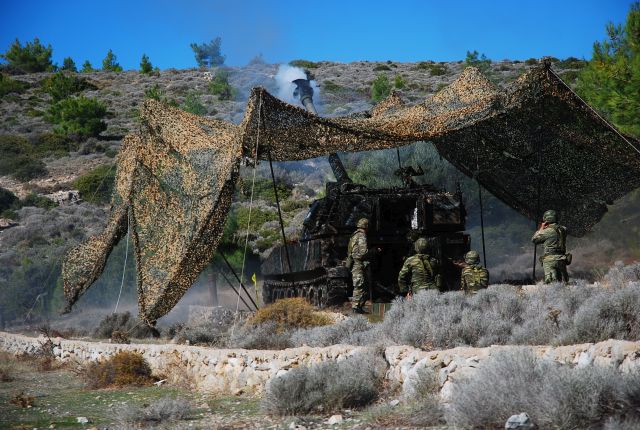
(611, 80)
(145, 65)
(208, 54)
(109, 64)
(87, 67)
(69, 65)
(33, 57)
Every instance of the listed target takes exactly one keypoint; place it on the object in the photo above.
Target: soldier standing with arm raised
(420, 271)
(555, 258)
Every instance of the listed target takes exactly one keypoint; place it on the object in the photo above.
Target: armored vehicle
(314, 266)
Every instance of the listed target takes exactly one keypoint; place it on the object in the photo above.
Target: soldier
(420, 271)
(555, 258)
(474, 276)
(358, 251)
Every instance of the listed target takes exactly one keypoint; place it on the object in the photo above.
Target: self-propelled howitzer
(397, 217)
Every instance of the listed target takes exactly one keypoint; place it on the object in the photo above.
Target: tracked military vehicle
(314, 267)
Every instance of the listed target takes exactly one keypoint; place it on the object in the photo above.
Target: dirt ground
(58, 399)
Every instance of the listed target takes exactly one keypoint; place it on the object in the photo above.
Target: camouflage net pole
(176, 177)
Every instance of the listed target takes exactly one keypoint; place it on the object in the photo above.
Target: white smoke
(284, 80)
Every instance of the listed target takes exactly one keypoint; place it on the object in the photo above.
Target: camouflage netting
(173, 186)
(536, 146)
(536, 135)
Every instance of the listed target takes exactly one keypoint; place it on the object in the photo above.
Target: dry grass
(290, 314)
(124, 368)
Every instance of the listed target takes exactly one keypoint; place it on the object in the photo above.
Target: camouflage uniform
(358, 250)
(554, 261)
(420, 271)
(474, 276)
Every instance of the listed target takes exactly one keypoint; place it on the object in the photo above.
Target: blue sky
(325, 30)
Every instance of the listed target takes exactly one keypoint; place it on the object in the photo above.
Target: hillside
(30, 252)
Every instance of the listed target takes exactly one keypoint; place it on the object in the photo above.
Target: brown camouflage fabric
(176, 175)
(473, 278)
(419, 272)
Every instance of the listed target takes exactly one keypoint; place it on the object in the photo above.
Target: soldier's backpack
(476, 277)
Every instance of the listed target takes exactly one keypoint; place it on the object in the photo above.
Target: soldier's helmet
(550, 216)
(472, 257)
(421, 245)
(363, 223)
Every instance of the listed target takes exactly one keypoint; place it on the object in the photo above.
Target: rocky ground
(58, 398)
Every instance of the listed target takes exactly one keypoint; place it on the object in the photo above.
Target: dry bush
(554, 395)
(345, 331)
(7, 367)
(262, 336)
(124, 323)
(161, 411)
(118, 336)
(124, 368)
(22, 400)
(288, 314)
(207, 326)
(331, 386)
(500, 315)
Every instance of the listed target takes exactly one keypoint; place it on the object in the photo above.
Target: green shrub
(78, 116)
(380, 88)
(7, 199)
(11, 145)
(62, 85)
(480, 61)
(31, 58)
(87, 67)
(220, 86)
(8, 85)
(53, 144)
(124, 368)
(157, 93)
(531, 61)
(146, 67)
(17, 159)
(37, 201)
(332, 87)
(381, 68)
(399, 82)
(258, 217)
(303, 64)
(97, 186)
(109, 63)
(193, 104)
(433, 68)
(69, 65)
(571, 63)
(263, 188)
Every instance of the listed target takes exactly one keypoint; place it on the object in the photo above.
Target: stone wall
(237, 371)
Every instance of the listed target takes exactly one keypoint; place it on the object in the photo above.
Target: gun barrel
(304, 90)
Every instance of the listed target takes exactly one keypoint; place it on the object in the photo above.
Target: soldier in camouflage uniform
(555, 258)
(474, 276)
(358, 251)
(420, 271)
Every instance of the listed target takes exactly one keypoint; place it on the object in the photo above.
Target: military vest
(474, 277)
